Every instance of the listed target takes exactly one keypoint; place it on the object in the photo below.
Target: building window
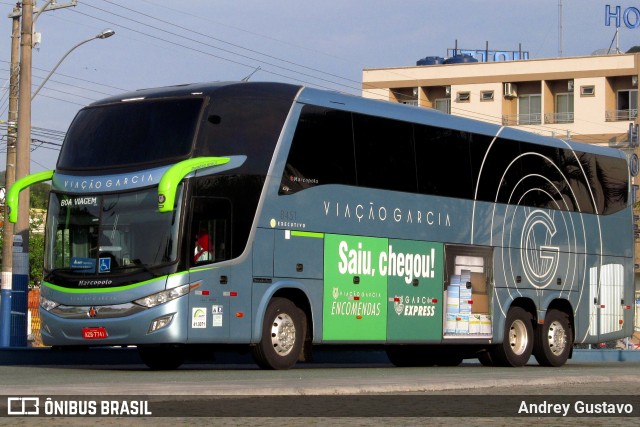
(407, 95)
(564, 109)
(530, 109)
(588, 90)
(627, 104)
(443, 104)
(464, 96)
(486, 95)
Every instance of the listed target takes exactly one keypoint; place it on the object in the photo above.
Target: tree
(634, 49)
(36, 247)
(39, 195)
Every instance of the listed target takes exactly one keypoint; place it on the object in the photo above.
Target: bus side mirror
(14, 192)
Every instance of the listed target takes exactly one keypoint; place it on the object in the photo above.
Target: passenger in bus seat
(203, 252)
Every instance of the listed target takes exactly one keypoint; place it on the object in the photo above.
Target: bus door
(209, 243)
(606, 298)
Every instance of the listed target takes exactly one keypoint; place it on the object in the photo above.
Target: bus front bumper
(162, 324)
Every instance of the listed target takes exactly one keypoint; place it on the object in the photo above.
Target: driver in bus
(202, 251)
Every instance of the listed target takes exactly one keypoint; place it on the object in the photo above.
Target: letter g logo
(539, 259)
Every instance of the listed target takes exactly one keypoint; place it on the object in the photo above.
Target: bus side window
(210, 230)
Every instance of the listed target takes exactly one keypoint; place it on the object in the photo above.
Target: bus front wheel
(517, 343)
(554, 339)
(282, 335)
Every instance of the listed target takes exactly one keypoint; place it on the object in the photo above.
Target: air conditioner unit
(510, 90)
(570, 85)
(447, 90)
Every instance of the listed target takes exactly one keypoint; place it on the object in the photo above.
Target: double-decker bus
(281, 217)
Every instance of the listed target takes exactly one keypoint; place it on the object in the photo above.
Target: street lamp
(103, 35)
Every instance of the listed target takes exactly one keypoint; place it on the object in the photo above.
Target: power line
(238, 62)
(244, 30)
(4, 98)
(235, 45)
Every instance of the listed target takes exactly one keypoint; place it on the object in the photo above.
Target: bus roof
(188, 89)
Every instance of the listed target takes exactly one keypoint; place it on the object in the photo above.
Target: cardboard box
(485, 324)
(462, 323)
(474, 324)
(480, 303)
(453, 298)
(479, 283)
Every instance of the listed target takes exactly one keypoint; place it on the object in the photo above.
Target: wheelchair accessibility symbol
(105, 265)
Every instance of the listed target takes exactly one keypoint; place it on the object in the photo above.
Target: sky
(322, 43)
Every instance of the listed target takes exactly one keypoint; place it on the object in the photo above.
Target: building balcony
(558, 118)
(521, 119)
(621, 115)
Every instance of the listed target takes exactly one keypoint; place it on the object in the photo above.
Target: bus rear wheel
(554, 339)
(282, 335)
(162, 358)
(517, 343)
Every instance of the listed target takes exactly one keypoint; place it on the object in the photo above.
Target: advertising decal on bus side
(382, 289)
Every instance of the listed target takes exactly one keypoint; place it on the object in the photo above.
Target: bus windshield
(102, 234)
(148, 131)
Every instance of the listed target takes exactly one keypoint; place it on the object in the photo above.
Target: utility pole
(10, 177)
(20, 285)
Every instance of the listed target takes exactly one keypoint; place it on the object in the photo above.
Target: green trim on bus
(174, 175)
(105, 290)
(307, 234)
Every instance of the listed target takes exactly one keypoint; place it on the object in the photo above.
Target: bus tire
(517, 343)
(553, 339)
(282, 335)
(161, 358)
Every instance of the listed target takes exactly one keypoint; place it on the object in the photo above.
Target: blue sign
(105, 265)
(484, 55)
(630, 16)
(86, 264)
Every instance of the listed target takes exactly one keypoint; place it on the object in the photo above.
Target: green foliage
(634, 49)
(36, 246)
(39, 195)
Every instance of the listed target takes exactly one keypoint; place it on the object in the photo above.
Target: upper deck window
(130, 133)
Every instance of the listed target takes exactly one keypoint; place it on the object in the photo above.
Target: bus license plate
(94, 333)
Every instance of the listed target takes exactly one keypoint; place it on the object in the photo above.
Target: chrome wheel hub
(518, 337)
(283, 334)
(557, 338)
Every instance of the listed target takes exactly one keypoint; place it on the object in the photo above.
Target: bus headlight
(162, 297)
(48, 304)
